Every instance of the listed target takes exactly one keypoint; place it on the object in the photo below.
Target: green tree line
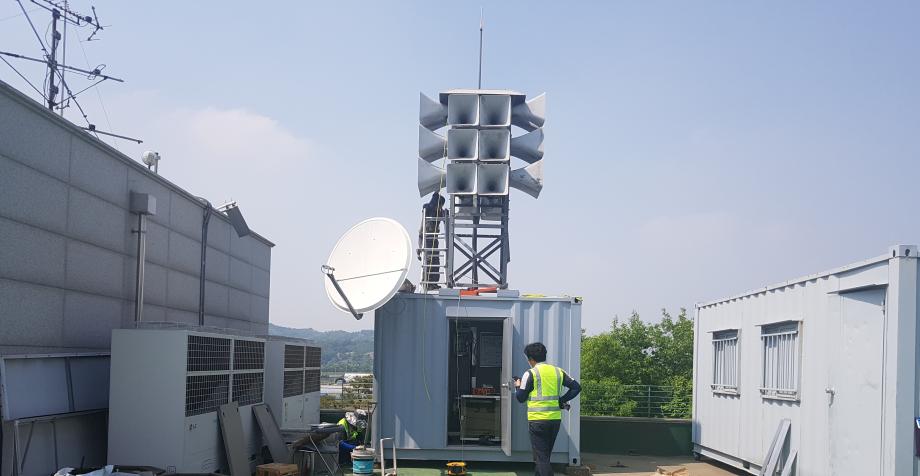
(638, 368)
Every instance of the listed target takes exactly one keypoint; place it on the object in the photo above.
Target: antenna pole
(480, 47)
(52, 57)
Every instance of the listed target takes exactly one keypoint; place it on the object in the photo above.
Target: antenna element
(480, 47)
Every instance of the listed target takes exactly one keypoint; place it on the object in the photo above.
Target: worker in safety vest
(354, 424)
(541, 387)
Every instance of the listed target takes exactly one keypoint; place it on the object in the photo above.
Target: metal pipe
(204, 258)
(141, 259)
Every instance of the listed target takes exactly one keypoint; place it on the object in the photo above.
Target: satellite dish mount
(329, 271)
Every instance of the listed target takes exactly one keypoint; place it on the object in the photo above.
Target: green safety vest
(543, 402)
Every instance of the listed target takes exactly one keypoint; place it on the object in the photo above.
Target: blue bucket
(362, 466)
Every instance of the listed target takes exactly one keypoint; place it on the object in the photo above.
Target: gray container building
(833, 353)
(443, 366)
(67, 274)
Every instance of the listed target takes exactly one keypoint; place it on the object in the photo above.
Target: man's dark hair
(536, 351)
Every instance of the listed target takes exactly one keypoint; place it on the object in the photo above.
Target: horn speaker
(495, 144)
(494, 110)
(430, 178)
(463, 110)
(528, 179)
(461, 178)
(430, 144)
(492, 179)
(529, 146)
(531, 114)
(462, 144)
(431, 114)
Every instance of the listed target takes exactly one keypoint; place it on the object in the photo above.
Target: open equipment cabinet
(444, 367)
(479, 403)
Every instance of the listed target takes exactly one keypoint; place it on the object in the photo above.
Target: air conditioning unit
(166, 387)
(292, 390)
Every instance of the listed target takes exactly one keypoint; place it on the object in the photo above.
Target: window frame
(777, 331)
(726, 336)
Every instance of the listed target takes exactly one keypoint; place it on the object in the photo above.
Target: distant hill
(343, 351)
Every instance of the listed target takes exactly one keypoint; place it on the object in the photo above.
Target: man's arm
(574, 388)
(526, 387)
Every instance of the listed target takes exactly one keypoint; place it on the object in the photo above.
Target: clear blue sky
(693, 149)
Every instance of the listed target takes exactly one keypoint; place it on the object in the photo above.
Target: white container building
(835, 353)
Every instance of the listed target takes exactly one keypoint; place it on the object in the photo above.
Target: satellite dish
(368, 265)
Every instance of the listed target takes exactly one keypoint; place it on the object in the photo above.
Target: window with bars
(208, 354)
(781, 356)
(206, 393)
(247, 388)
(725, 361)
(248, 355)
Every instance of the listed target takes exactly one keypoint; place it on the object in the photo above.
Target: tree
(632, 354)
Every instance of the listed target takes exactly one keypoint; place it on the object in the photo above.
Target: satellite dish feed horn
(368, 265)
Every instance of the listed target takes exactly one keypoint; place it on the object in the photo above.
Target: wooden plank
(231, 430)
(276, 469)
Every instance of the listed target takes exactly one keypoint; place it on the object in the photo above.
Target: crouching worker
(355, 424)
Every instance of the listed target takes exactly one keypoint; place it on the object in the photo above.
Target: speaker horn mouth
(462, 144)
(495, 145)
(494, 110)
(463, 110)
(492, 179)
(461, 178)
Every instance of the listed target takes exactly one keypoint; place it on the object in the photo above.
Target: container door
(854, 392)
(507, 391)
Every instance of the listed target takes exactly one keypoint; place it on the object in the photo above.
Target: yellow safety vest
(543, 402)
(351, 433)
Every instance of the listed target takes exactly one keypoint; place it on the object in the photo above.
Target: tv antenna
(63, 16)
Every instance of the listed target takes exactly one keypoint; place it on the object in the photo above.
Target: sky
(694, 150)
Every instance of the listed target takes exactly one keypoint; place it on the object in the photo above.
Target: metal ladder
(440, 253)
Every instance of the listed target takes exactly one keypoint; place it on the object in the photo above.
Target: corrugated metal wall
(67, 261)
(843, 349)
(411, 359)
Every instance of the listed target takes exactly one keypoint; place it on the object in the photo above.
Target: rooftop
(600, 464)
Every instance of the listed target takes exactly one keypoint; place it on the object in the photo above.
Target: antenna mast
(54, 80)
(480, 47)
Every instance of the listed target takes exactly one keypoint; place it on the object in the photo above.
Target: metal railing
(598, 398)
(340, 391)
(649, 401)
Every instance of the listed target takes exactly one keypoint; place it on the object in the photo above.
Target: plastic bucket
(362, 465)
(362, 461)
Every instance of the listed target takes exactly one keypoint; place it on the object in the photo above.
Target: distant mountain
(343, 351)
